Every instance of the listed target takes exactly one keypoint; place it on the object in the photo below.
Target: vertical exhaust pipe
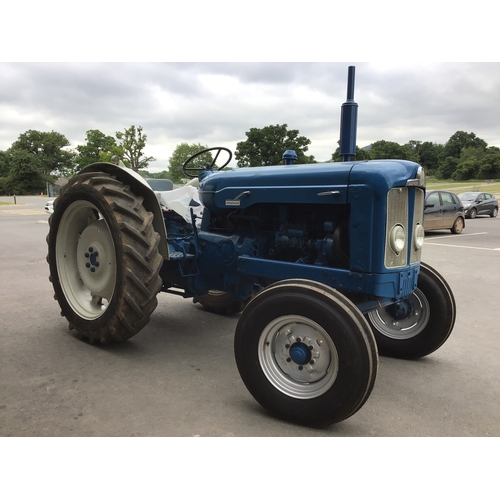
(349, 120)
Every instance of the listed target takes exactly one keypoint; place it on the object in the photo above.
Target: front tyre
(306, 353)
(418, 325)
(458, 226)
(103, 258)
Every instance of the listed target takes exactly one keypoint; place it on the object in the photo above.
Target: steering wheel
(193, 172)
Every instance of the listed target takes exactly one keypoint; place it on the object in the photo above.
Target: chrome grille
(418, 218)
(397, 213)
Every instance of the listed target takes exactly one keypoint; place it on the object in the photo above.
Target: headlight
(418, 240)
(397, 238)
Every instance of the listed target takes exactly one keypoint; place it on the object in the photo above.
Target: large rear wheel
(306, 353)
(418, 325)
(103, 258)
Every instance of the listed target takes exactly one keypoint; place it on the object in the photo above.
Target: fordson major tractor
(322, 260)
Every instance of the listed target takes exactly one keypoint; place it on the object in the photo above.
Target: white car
(49, 207)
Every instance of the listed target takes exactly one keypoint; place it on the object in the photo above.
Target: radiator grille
(397, 213)
(418, 218)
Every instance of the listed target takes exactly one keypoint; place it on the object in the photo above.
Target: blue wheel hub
(400, 311)
(300, 353)
(92, 262)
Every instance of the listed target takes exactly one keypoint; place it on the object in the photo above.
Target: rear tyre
(103, 258)
(306, 353)
(458, 226)
(494, 213)
(219, 302)
(419, 325)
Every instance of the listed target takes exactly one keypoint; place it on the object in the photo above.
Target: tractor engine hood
(313, 183)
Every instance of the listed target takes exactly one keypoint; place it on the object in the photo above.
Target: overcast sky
(216, 103)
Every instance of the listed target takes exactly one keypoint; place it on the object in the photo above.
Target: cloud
(216, 103)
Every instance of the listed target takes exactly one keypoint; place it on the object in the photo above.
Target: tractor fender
(141, 188)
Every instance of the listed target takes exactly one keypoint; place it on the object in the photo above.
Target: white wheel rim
(86, 260)
(301, 379)
(406, 327)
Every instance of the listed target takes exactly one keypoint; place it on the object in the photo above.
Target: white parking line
(461, 246)
(456, 235)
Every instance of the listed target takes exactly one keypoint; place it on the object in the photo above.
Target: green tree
(4, 170)
(447, 167)
(181, 153)
(468, 166)
(133, 141)
(392, 150)
(361, 154)
(489, 165)
(26, 173)
(461, 140)
(50, 149)
(98, 147)
(429, 155)
(4, 174)
(265, 146)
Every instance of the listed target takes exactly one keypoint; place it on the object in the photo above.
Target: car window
(488, 196)
(456, 199)
(467, 196)
(447, 199)
(433, 199)
(480, 197)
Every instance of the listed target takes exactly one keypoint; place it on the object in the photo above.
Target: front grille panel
(397, 213)
(418, 218)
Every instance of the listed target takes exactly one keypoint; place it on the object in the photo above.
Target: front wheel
(103, 257)
(418, 325)
(306, 353)
(458, 226)
(473, 213)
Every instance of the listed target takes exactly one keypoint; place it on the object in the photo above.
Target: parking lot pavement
(178, 376)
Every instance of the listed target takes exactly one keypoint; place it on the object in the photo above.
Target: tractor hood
(312, 183)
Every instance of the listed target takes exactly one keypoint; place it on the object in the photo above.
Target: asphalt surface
(178, 376)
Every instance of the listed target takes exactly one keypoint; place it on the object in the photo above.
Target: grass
(458, 187)
(2, 203)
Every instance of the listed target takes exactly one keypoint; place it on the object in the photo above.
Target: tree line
(37, 159)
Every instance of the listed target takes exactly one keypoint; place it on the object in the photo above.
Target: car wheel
(458, 227)
(494, 213)
(473, 213)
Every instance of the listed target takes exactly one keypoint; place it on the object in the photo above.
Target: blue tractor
(322, 261)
